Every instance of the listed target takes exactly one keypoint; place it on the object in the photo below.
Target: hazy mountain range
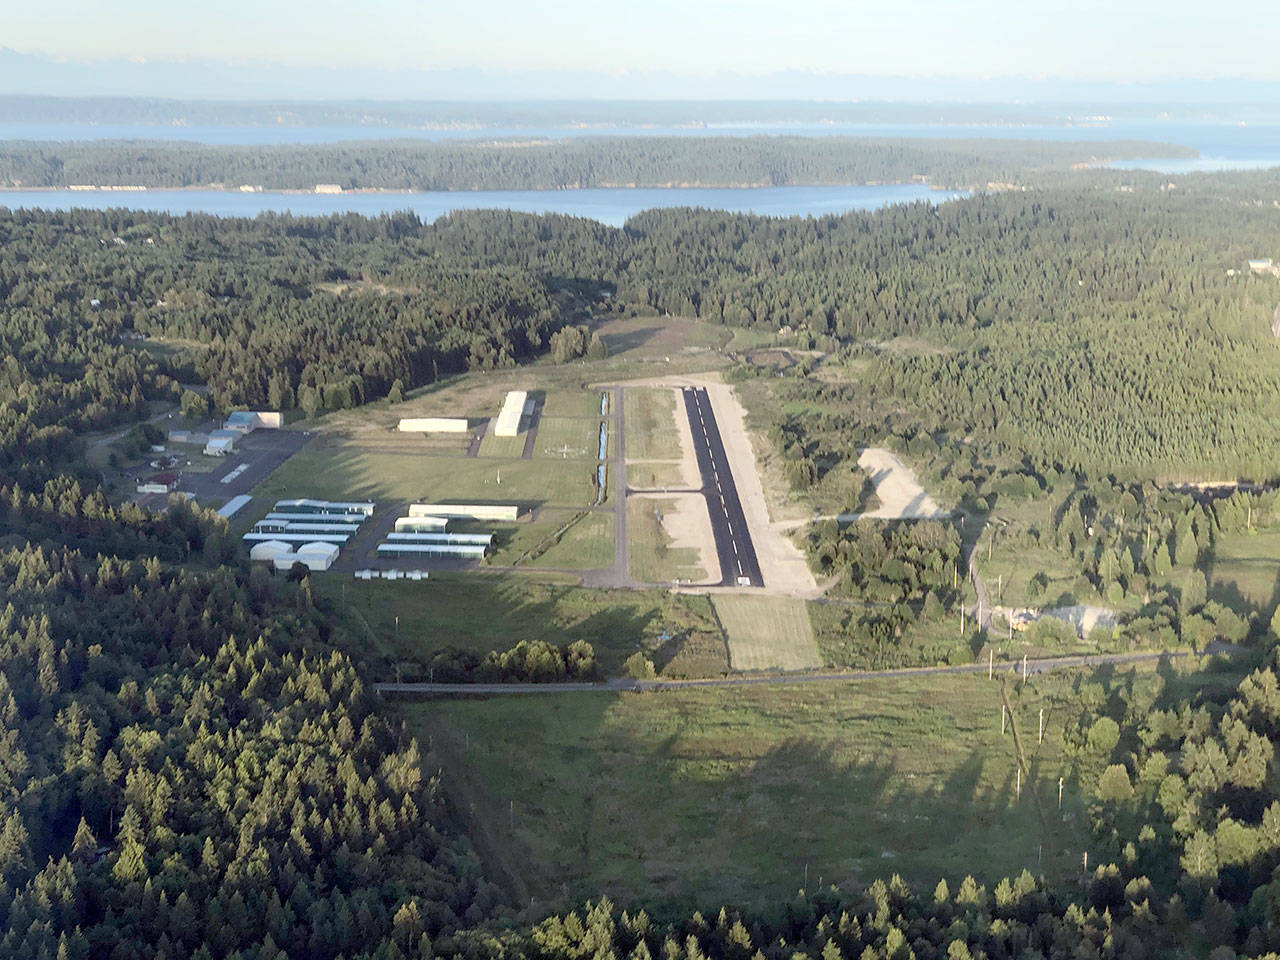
(845, 96)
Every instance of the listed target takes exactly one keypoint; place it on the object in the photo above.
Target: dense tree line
(555, 165)
(277, 311)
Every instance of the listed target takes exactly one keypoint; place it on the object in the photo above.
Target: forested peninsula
(560, 164)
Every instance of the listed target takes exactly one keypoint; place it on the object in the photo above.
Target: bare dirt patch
(687, 528)
(901, 497)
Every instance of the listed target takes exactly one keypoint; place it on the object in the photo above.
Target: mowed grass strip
(568, 438)
(767, 633)
(650, 425)
(650, 554)
(567, 402)
(587, 545)
(341, 470)
(655, 475)
(506, 448)
(713, 796)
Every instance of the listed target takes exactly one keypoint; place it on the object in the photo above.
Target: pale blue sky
(1085, 39)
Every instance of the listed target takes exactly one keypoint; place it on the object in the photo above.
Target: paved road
(738, 563)
(477, 435)
(625, 685)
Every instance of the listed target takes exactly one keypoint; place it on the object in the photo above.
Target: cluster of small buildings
(309, 532)
(425, 531)
(159, 483)
(240, 424)
(392, 574)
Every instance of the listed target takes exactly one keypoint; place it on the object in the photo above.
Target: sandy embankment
(901, 497)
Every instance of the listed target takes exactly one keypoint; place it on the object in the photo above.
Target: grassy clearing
(638, 338)
(588, 545)
(568, 402)
(655, 475)
(726, 796)
(505, 448)
(767, 632)
(568, 438)
(483, 613)
(650, 414)
(1245, 572)
(652, 557)
(338, 469)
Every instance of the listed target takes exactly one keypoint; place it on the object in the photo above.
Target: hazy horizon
(35, 75)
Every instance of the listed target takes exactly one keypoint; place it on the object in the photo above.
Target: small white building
(422, 524)
(221, 443)
(318, 555)
(247, 421)
(472, 511)
(234, 506)
(512, 412)
(434, 425)
(269, 550)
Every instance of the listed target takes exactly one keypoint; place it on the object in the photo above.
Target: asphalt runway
(738, 563)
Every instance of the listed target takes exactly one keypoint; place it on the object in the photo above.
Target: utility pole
(1040, 736)
(991, 657)
(1003, 711)
(1017, 790)
(1024, 668)
(1060, 793)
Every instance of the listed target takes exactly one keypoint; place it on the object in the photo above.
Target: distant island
(577, 163)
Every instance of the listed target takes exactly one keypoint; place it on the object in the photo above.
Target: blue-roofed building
(242, 421)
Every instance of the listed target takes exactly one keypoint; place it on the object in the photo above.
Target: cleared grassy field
(650, 414)
(337, 469)
(588, 545)
(568, 402)
(506, 448)
(734, 795)
(655, 475)
(568, 438)
(483, 613)
(767, 633)
(1245, 572)
(649, 551)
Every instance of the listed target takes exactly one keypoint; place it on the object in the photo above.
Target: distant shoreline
(129, 190)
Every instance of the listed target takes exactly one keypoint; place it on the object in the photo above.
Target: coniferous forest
(192, 762)
(558, 164)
